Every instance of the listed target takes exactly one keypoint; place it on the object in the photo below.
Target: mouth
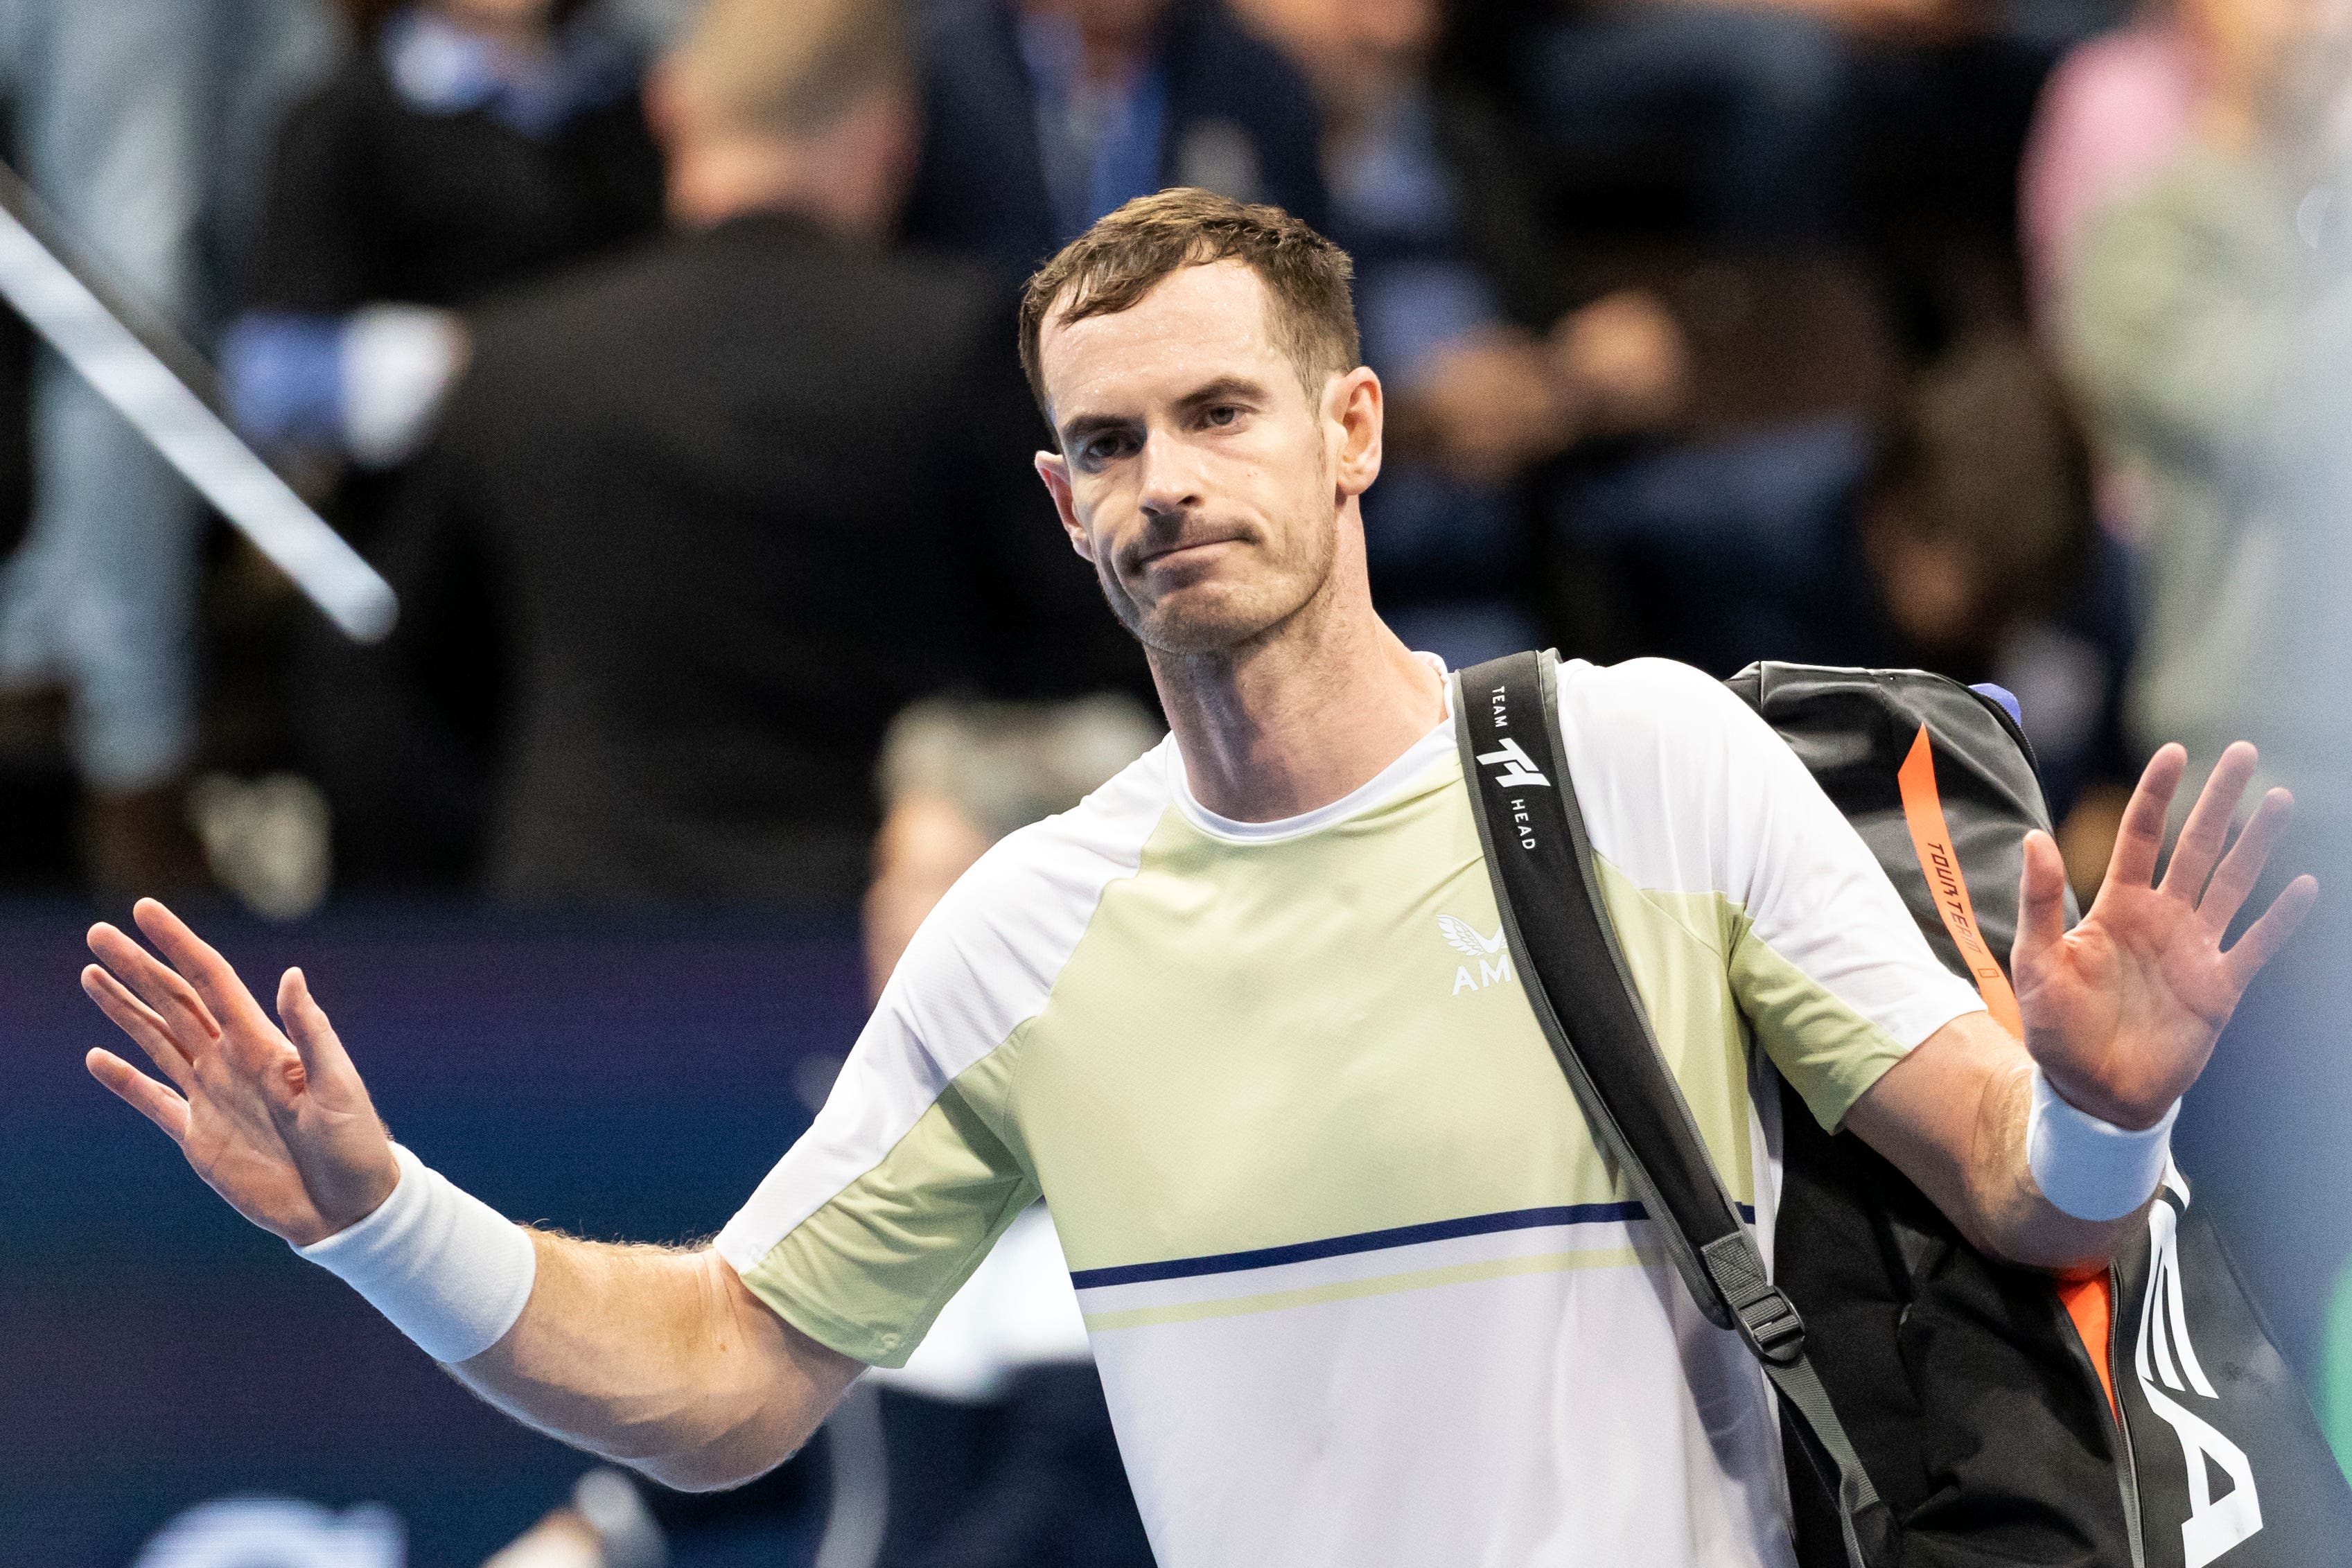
(1180, 549)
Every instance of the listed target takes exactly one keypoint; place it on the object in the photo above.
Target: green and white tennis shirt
(1362, 1290)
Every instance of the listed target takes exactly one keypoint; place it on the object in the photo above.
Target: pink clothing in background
(2115, 110)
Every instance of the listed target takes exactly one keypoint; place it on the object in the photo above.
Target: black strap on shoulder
(1574, 975)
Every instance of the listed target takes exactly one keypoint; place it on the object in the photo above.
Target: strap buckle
(1769, 1323)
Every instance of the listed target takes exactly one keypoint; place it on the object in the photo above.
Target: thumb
(2040, 907)
(323, 1059)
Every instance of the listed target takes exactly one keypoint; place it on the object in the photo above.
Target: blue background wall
(619, 1080)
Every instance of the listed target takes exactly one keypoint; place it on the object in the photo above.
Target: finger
(160, 985)
(2208, 827)
(2140, 838)
(2265, 936)
(322, 1049)
(215, 980)
(137, 1020)
(146, 1096)
(2240, 868)
(2041, 905)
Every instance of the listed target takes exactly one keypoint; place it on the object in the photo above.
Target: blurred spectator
(464, 147)
(2189, 321)
(1959, 539)
(957, 776)
(467, 146)
(2112, 114)
(1040, 115)
(1488, 377)
(993, 1446)
(1760, 93)
(741, 495)
(1782, 111)
(134, 119)
(2209, 322)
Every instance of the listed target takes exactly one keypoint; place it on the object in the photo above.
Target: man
(738, 496)
(1328, 1201)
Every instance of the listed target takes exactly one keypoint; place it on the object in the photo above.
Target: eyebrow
(1221, 389)
(1075, 434)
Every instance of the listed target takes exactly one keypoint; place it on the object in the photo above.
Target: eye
(1105, 447)
(1219, 415)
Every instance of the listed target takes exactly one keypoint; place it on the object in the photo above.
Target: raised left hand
(2123, 1010)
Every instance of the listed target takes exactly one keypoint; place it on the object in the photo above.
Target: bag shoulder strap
(1573, 972)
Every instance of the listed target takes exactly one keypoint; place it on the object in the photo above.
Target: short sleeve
(915, 1164)
(1689, 794)
(897, 1190)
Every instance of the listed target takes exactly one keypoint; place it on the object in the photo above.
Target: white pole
(194, 439)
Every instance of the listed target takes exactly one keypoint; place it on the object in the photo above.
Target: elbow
(717, 1466)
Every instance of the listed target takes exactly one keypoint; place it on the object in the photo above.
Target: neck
(1303, 715)
(712, 183)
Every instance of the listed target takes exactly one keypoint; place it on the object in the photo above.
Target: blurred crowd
(660, 354)
(660, 359)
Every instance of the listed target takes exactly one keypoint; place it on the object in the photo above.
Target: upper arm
(1940, 1115)
(1697, 795)
(913, 1168)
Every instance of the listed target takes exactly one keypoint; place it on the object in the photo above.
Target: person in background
(467, 146)
(1956, 537)
(2115, 111)
(957, 776)
(2208, 323)
(1040, 115)
(1490, 375)
(136, 121)
(704, 489)
(1785, 110)
(2188, 323)
(993, 1446)
(464, 148)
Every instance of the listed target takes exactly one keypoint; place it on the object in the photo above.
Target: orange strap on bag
(2089, 1302)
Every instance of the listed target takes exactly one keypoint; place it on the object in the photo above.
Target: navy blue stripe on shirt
(1366, 1241)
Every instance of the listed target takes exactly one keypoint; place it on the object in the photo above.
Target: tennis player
(1362, 1290)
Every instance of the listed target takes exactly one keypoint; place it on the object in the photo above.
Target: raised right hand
(280, 1126)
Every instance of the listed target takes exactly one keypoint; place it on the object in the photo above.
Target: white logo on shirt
(1520, 768)
(1493, 961)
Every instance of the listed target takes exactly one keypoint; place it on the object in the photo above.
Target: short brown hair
(1310, 311)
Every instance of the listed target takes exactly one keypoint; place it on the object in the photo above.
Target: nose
(1169, 480)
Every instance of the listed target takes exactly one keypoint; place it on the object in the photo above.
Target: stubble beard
(1251, 602)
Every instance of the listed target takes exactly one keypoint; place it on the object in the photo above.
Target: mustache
(1188, 531)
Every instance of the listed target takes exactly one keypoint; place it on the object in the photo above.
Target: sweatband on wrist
(2090, 1168)
(450, 1272)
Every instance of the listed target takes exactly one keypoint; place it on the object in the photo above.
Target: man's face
(1194, 472)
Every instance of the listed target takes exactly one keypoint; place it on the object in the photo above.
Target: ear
(1056, 471)
(1355, 403)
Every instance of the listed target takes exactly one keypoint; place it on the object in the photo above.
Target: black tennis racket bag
(1942, 1409)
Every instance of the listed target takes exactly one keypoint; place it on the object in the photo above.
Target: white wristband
(2090, 1168)
(449, 1270)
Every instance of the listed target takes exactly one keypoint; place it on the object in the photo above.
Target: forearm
(2001, 1208)
(660, 1360)
(1953, 1116)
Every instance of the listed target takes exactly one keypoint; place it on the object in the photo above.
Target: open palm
(2123, 1010)
(277, 1122)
